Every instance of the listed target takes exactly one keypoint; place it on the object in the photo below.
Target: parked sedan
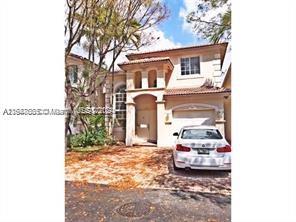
(201, 147)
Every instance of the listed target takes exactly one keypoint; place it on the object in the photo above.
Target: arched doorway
(146, 118)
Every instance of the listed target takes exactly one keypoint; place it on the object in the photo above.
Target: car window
(201, 134)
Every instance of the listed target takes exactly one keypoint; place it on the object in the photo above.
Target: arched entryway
(145, 119)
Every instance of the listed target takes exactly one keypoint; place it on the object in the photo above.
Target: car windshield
(201, 134)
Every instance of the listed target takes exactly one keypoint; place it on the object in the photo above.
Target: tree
(76, 13)
(212, 20)
(102, 27)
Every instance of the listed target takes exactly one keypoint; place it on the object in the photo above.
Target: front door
(146, 118)
(146, 125)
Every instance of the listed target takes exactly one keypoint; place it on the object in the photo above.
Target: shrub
(88, 139)
(94, 135)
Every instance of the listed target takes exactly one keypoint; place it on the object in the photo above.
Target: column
(220, 121)
(217, 68)
(160, 78)
(161, 137)
(144, 79)
(217, 65)
(130, 83)
(130, 123)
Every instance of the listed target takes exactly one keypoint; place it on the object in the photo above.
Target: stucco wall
(209, 64)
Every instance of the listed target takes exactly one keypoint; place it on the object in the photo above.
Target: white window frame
(118, 104)
(190, 75)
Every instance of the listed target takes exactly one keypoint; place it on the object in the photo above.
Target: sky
(175, 27)
(175, 31)
(172, 33)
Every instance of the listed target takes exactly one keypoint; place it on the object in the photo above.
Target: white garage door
(190, 117)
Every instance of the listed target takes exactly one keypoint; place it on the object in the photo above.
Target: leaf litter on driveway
(141, 167)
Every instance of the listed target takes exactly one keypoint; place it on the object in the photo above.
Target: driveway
(141, 167)
(96, 203)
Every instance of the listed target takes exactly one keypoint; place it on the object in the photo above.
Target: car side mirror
(175, 134)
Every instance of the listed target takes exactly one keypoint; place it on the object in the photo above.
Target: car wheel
(174, 165)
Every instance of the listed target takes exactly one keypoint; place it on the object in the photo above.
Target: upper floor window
(73, 73)
(190, 66)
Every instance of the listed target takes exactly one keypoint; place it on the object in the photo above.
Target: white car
(201, 147)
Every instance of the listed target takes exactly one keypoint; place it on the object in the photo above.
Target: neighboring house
(156, 93)
(76, 65)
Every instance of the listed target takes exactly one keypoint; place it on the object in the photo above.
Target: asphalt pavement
(87, 202)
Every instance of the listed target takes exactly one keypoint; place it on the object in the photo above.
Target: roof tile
(195, 90)
(175, 49)
(146, 60)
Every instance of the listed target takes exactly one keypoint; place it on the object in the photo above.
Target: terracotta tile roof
(80, 57)
(146, 60)
(175, 49)
(195, 90)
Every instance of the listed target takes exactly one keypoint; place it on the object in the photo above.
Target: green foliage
(88, 139)
(212, 20)
(96, 122)
(95, 133)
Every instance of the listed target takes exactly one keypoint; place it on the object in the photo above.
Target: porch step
(144, 144)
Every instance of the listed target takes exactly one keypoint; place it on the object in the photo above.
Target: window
(120, 107)
(190, 66)
(201, 134)
(152, 82)
(73, 73)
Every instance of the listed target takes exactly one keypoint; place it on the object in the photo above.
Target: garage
(192, 117)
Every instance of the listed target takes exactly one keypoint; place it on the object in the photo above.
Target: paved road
(94, 203)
